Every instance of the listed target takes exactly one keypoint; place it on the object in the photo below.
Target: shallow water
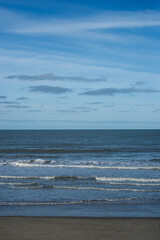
(80, 173)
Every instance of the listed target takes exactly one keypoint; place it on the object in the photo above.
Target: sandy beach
(46, 228)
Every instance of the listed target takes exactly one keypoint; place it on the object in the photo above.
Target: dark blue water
(80, 173)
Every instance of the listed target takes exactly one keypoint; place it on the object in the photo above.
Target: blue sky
(79, 64)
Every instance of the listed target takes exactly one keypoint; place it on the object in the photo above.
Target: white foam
(53, 178)
(109, 179)
(46, 177)
(84, 201)
(86, 188)
(85, 162)
(107, 189)
(22, 164)
(39, 160)
(29, 177)
(31, 187)
(134, 184)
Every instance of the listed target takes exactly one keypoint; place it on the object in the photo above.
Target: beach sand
(67, 228)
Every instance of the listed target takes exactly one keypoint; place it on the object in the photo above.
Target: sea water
(80, 173)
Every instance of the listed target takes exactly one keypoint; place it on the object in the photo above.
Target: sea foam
(24, 164)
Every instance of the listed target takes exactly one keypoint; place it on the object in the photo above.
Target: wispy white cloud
(109, 20)
(98, 55)
(23, 24)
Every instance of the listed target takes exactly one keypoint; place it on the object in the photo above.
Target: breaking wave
(25, 164)
(127, 179)
(104, 179)
(47, 177)
(85, 201)
(86, 188)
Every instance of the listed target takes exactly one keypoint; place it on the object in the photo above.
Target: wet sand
(68, 228)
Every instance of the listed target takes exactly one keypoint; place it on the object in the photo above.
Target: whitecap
(109, 179)
(22, 164)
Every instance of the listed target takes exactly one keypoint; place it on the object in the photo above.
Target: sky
(79, 64)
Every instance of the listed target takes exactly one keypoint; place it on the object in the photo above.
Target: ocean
(91, 173)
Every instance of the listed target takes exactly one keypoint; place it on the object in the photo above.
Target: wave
(134, 184)
(85, 162)
(63, 150)
(34, 184)
(59, 151)
(48, 177)
(127, 179)
(24, 164)
(110, 180)
(38, 186)
(40, 161)
(85, 201)
(155, 160)
(85, 188)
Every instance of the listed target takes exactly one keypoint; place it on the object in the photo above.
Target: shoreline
(109, 210)
(86, 228)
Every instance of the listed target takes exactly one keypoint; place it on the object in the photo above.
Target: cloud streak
(17, 23)
(22, 98)
(36, 110)
(49, 89)
(109, 20)
(113, 91)
(8, 102)
(3, 97)
(17, 106)
(67, 111)
(53, 77)
(94, 103)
